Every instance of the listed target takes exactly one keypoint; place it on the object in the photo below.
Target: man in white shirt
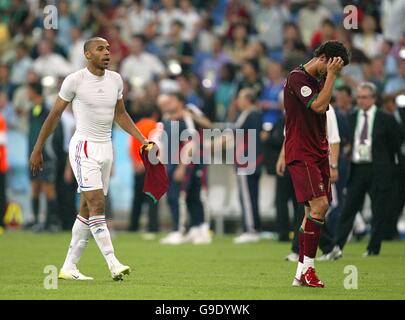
(49, 63)
(97, 100)
(140, 67)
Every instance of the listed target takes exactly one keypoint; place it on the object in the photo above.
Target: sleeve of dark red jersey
(302, 89)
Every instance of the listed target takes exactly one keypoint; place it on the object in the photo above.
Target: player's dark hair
(36, 87)
(88, 43)
(346, 89)
(332, 49)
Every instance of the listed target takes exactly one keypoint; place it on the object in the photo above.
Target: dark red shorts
(311, 180)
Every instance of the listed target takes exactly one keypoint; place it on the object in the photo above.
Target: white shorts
(91, 163)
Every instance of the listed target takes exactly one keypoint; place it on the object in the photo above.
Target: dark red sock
(312, 234)
(301, 237)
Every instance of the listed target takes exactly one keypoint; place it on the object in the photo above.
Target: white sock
(308, 262)
(80, 239)
(102, 236)
(298, 273)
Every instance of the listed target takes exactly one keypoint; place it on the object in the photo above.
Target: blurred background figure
(44, 181)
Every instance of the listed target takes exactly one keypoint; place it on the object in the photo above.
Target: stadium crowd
(209, 51)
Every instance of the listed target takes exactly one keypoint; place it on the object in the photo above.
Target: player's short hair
(370, 86)
(346, 89)
(89, 42)
(332, 49)
(36, 87)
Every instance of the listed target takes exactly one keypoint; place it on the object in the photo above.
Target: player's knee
(320, 209)
(96, 206)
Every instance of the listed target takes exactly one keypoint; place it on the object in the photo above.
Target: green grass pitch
(218, 271)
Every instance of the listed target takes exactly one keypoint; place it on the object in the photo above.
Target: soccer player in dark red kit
(307, 95)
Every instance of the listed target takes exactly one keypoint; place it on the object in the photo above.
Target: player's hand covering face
(334, 65)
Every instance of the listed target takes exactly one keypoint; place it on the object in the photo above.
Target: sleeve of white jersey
(68, 89)
(332, 126)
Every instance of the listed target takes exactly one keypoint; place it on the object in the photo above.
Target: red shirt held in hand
(156, 180)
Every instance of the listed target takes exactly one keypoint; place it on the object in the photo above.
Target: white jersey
(93, 102)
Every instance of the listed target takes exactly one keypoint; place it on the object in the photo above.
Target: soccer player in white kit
(96, 97)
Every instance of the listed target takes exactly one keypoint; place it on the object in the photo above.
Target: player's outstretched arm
(321, 103)
(125, 122)
(47, 128)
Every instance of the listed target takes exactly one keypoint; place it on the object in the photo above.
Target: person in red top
(3, 168)
(307, 95)
(146, 125)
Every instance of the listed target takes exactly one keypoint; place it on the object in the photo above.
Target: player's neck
(311, 69)
(96, 71)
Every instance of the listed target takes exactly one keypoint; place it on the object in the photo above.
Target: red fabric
(311, 237)
(305, 130)
(311, 180)
(156, 181)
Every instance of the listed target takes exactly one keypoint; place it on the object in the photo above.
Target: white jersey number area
(306, 91)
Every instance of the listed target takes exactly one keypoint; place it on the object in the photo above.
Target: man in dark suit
(398, 200)
(375, 143)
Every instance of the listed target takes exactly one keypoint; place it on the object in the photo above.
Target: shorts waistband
(84, 138)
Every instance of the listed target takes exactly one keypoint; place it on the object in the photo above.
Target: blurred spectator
(398, 200)
(205, 37)
(251, 77)
(20, 66)
(236, 13)
(118, 49)
(75, 52)
(21, 102)
(389, 58)
(343, 100)
(269, 19)
(396, 85)
(190, 19)
(377, 73)
(5, 85)
(369, 40)
(3, 161)
(140, 67)
(310, 19)
(393, 19)
(248, 177)
(49, 63)
(372, 169)
(190, 95)
(258, 50)
(167, 15)
(269, 98)
(325, 33)
(66, 21)
(294, 50)
(139, 17)
(210, 69)
(225, 92)
(238, 44)
(44, 181)
(49, 35)
(178, 53)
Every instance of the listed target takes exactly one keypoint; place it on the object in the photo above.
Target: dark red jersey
(305, 136)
